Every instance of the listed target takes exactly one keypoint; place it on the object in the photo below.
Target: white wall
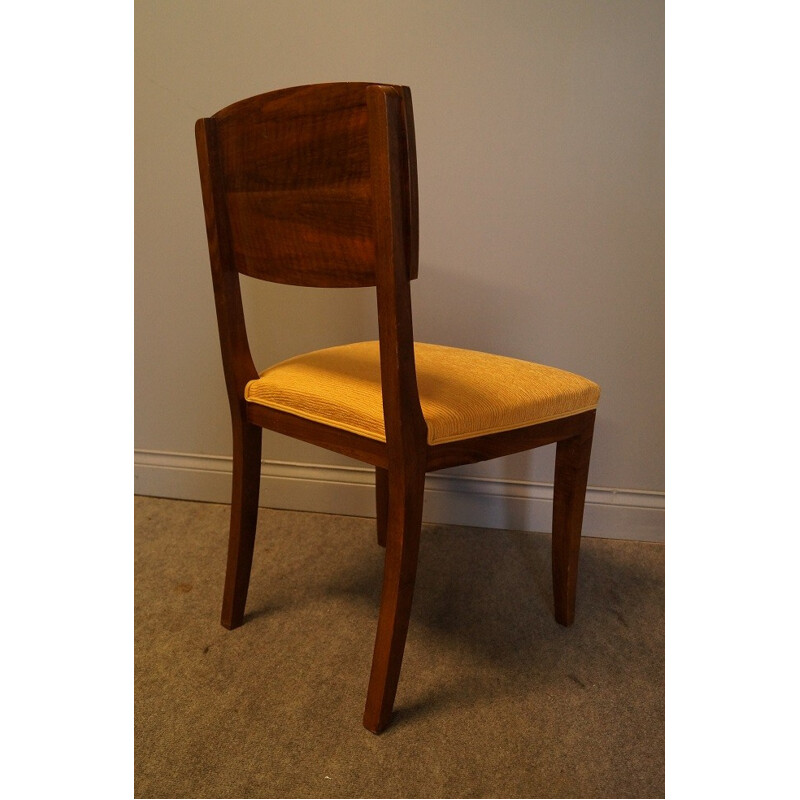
(540, 154)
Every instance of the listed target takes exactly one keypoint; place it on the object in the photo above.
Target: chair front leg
(404, 523)
(569, 495)
(244, 515)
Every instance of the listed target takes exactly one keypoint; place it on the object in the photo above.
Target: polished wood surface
(348, 444)
(569, 491)
(244, 514)
(317, 186)
(406, 489)
(381, 503)
(295, 170)
(495, 445)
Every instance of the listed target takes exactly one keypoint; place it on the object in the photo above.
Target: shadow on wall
(488, 313)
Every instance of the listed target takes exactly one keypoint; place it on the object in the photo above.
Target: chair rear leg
(244, 515)
(382, 502)
(404, 522)
(569, 495)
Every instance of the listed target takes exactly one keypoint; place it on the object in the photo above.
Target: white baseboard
(449, 499)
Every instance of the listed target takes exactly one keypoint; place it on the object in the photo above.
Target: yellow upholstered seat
(463, 393)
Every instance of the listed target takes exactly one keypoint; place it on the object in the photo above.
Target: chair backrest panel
(295, 172)
(316, 186)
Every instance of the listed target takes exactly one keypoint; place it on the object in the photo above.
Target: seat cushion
(463, 393)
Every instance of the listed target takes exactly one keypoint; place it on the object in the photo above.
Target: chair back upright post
(237, 361)
(393, 171)
(400, 487)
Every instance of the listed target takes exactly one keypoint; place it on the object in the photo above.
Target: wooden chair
(317, 186)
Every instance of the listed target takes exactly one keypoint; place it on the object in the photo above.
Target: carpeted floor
(495, 699)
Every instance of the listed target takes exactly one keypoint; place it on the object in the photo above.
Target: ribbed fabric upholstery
(463, 393)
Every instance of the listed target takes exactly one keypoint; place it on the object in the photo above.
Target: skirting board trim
(449, 499)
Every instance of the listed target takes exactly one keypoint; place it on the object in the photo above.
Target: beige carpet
(495, 699)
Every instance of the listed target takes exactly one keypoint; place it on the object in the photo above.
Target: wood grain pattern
(237, 360)
(244, 515)
(317, 186)
(404, 523)
(406, 431)
(495, 445)
(569, 492)
(381, 503)
(295, 169)
(348, 444)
